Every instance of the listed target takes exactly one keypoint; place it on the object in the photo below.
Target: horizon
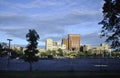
(51, 19)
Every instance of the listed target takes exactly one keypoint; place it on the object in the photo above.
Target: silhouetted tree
(1, 49)
(29, 56)
(111, 23)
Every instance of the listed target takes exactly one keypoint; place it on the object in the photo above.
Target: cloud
(53, 5)
(36, 4)
(45, 25)
(92, 38)
(50, 18)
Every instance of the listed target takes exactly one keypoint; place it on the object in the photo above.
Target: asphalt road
(83, 64)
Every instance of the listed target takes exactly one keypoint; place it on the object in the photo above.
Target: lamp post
(9, 53)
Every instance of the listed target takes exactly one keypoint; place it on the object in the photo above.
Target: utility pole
(9, 53)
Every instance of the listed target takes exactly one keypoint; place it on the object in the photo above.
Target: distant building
(72, 43)
(65, 43)
(52, 45)
(49, 44)
(55, 43)
(97, 49)
(63, 47)
(17, 48)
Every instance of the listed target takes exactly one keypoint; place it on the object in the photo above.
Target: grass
(58, 74)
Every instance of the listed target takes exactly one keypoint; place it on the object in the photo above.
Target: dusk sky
(53, 19)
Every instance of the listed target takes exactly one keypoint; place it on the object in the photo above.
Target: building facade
(73, 42)
(49, 44)
(65, 43)
(97, 49)
(53, 45)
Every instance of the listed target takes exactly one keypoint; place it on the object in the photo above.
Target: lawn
(49, 74)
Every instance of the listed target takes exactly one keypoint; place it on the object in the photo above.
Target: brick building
(65, 42)
(72, 43)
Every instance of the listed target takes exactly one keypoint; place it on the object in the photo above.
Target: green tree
(60, 52)
(19, 51)
(111, 23)
(53, 52)
(48, 52)
(43, 54)
(29, 56)
(80, 54)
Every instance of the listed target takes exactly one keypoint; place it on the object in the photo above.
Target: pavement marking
(100, 65)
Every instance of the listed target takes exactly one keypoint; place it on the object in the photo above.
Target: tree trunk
(30, 66)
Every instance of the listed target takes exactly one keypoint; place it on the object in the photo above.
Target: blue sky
(51, 19)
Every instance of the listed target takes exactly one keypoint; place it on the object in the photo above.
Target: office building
(49, 44)
(65, 43)
(74, 42)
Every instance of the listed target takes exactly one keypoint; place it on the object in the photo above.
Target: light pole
(9, 53)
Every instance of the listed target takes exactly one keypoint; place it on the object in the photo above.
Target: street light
(9, 42)
(9, 53)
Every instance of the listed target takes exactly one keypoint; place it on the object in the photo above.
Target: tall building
(55, 43)
(65, 42)
(74, 42)
(49, 44)
(70, 44)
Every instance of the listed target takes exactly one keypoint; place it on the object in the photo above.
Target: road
(83, 64)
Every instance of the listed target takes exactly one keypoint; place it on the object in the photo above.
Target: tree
(80, 54)
(111, 23)
(29, 56)
(19, 51)
(1, 49)
(60, 52)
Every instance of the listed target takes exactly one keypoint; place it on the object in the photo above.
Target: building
(72, 43)
(65, 43)
(97, 49)
(86, 48)
(49, 44)
(17, 48)
(52, 45)
(63, 47)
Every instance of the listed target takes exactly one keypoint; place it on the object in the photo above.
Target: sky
(53, 19)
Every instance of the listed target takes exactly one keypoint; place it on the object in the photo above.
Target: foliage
(48, 52)
(2, 48)
(60, 52)
(115, 54)
(79, 54)
(111, 23)
(32, 38)
(18, 51)
(54, 52)
(43, 54)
